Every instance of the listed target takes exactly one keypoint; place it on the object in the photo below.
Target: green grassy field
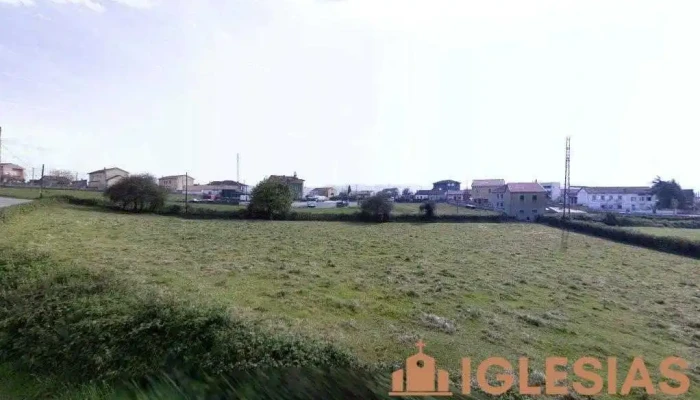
(476, 290)
(691, 234)
(33, 193)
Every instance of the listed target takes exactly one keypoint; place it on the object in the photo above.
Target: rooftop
(488, 182)
(617, 190)
(175, 176)
(106, 169)
(499, 189)
(11, 165)
(525, 187)
(286, 179)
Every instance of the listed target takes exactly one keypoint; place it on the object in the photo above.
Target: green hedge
(642, 220)
(208, 213)
(673, 245)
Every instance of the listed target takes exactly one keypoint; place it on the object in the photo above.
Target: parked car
(311, 204)
(342, 204)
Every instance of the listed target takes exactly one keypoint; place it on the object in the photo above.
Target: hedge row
(673, 245)
(208, 213)
(641, 220)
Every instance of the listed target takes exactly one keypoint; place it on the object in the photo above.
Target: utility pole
(186, 189)
(238, 167)
(567, 180)
(2, 172)
(41, 188)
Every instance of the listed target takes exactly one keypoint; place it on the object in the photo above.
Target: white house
(617, 199)
(553, 190)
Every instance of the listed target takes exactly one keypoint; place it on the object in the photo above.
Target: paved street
(6, 201)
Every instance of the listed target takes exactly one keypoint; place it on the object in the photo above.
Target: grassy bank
(475, 290)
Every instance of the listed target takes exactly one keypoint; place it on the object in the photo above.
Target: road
(6, 201)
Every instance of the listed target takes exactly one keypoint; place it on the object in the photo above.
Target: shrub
(428, 209)
(611, 219)
(377, 208)
(137, 193)
(270, 199)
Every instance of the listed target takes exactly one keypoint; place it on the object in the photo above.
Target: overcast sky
(355, 91)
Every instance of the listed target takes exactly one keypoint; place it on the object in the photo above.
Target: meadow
(476, 290)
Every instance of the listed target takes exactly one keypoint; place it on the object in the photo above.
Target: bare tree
(62, 173)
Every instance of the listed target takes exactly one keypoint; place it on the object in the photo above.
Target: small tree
(428, 209)
(137, 193)
(270, 198)
(377, 208)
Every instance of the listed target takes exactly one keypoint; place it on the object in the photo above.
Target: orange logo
(421, 375)
(422, 378)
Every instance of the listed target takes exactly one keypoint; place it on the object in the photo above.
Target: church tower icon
(421, 377)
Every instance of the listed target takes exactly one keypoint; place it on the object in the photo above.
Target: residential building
(294, 183)
(10, 172)
(361, 194)
(572, 194)
(481, 188)
(497, 198)
(618, 199)
(454, 195)
(391, 192)
(51, 181)
(446, 185)
(105, 177)
(176, 183)
(524, 201)
(553, 190)
(327, 192)
(230, 184)
(211, 191)
(79, 184)
(434, 195)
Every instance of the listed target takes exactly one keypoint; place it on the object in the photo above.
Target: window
(648, 198)
(489, 190)
(619, 197)
(610, 197)
(534, 197)
(534, 211)
(619, 206)
(593, 197)
(602, 206)
(522, 211)
(633, 199)
(522, 198)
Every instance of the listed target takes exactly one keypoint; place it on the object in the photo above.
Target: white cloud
(91, 4)
(137, 3)
(18, 2)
